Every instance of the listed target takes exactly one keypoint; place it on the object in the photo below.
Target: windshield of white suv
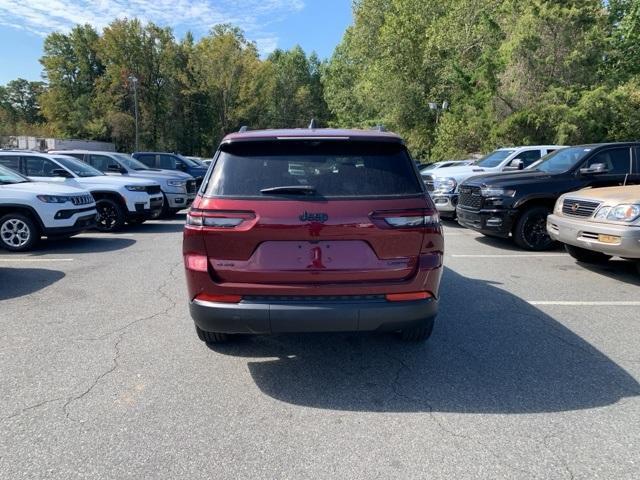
(495, 158)
(81, 169)
(130, 162)
(562, 160)
(8, 176)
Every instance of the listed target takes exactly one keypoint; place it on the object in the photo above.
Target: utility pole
(134, 80)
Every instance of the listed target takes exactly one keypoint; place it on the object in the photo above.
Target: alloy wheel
(535, 231)
(15, 233)
(107, 216)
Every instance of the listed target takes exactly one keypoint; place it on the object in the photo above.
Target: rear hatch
(312, 212)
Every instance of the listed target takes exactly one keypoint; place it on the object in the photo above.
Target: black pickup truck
(517, 204)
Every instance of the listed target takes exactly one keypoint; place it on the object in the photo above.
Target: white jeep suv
(443, 183)
(118, 200)
(178, 188)
(30, 210)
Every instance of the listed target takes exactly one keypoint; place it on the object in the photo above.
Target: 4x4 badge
(314, 217)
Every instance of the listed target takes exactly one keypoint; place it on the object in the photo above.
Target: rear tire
(18, 233)
(211, 338)
(530, 231)
(110, 215)
(586, 256)
(419, 333)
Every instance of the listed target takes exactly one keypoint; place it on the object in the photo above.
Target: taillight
(407, 297)
(406, 218)
(206, 297)
(196, 262)
(218, 218)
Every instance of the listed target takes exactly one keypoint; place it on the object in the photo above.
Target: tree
(222, 65)
(71, 68)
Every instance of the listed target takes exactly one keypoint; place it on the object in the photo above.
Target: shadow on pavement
(508, 244)
(491, 352)
(621, 270)
(156, 226)
(84, 244)
(18, 282)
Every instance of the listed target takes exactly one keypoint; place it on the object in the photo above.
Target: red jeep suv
(312, 231)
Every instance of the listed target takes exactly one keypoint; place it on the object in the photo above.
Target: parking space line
(505, 255)
(24, 259)
(585, 304)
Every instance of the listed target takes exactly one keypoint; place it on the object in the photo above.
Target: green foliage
(189, 93)
(513, 72)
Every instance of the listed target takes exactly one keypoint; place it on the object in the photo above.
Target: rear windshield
(329, 169)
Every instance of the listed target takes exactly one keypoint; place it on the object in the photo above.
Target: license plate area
(314, 262)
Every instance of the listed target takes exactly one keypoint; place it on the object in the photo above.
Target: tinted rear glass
(335, 169)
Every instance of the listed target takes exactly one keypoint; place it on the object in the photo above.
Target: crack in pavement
(161, 292)
(560, 458)
(32, 407)
(395, 387)
(114, 366)
(121, 332)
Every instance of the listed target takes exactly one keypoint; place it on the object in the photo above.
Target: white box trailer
(44, 144)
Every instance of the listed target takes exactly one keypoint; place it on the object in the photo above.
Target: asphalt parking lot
(532, 372)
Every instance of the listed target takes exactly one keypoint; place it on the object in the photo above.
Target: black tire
(418, 334)
(530, 231)
(110, 217)
(18, 232)
(586, 256)
(638, 267)
(211, 338)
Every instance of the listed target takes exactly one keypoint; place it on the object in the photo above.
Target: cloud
(42, 17)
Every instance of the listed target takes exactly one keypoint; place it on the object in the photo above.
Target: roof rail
(243, 129)
(313, 125)
(379, 128)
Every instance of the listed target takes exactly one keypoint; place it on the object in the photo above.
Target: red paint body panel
(276, 253)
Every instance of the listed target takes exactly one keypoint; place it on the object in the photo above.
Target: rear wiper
(290, 190)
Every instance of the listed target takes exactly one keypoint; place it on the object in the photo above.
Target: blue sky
(314, 24)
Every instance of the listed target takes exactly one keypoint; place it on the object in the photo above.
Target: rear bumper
(584, 234)
(298, 317)
(490, 222)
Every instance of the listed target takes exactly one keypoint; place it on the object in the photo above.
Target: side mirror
(181, 166)
(61, 172)
(115, 168)
(596, 168)
(515, 164)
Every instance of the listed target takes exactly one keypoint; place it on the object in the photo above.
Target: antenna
(313, 125)
(243, 129)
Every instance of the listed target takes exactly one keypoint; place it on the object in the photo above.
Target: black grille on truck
(153, 189)
(579, 208)
(191, 186)
(470, 198)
